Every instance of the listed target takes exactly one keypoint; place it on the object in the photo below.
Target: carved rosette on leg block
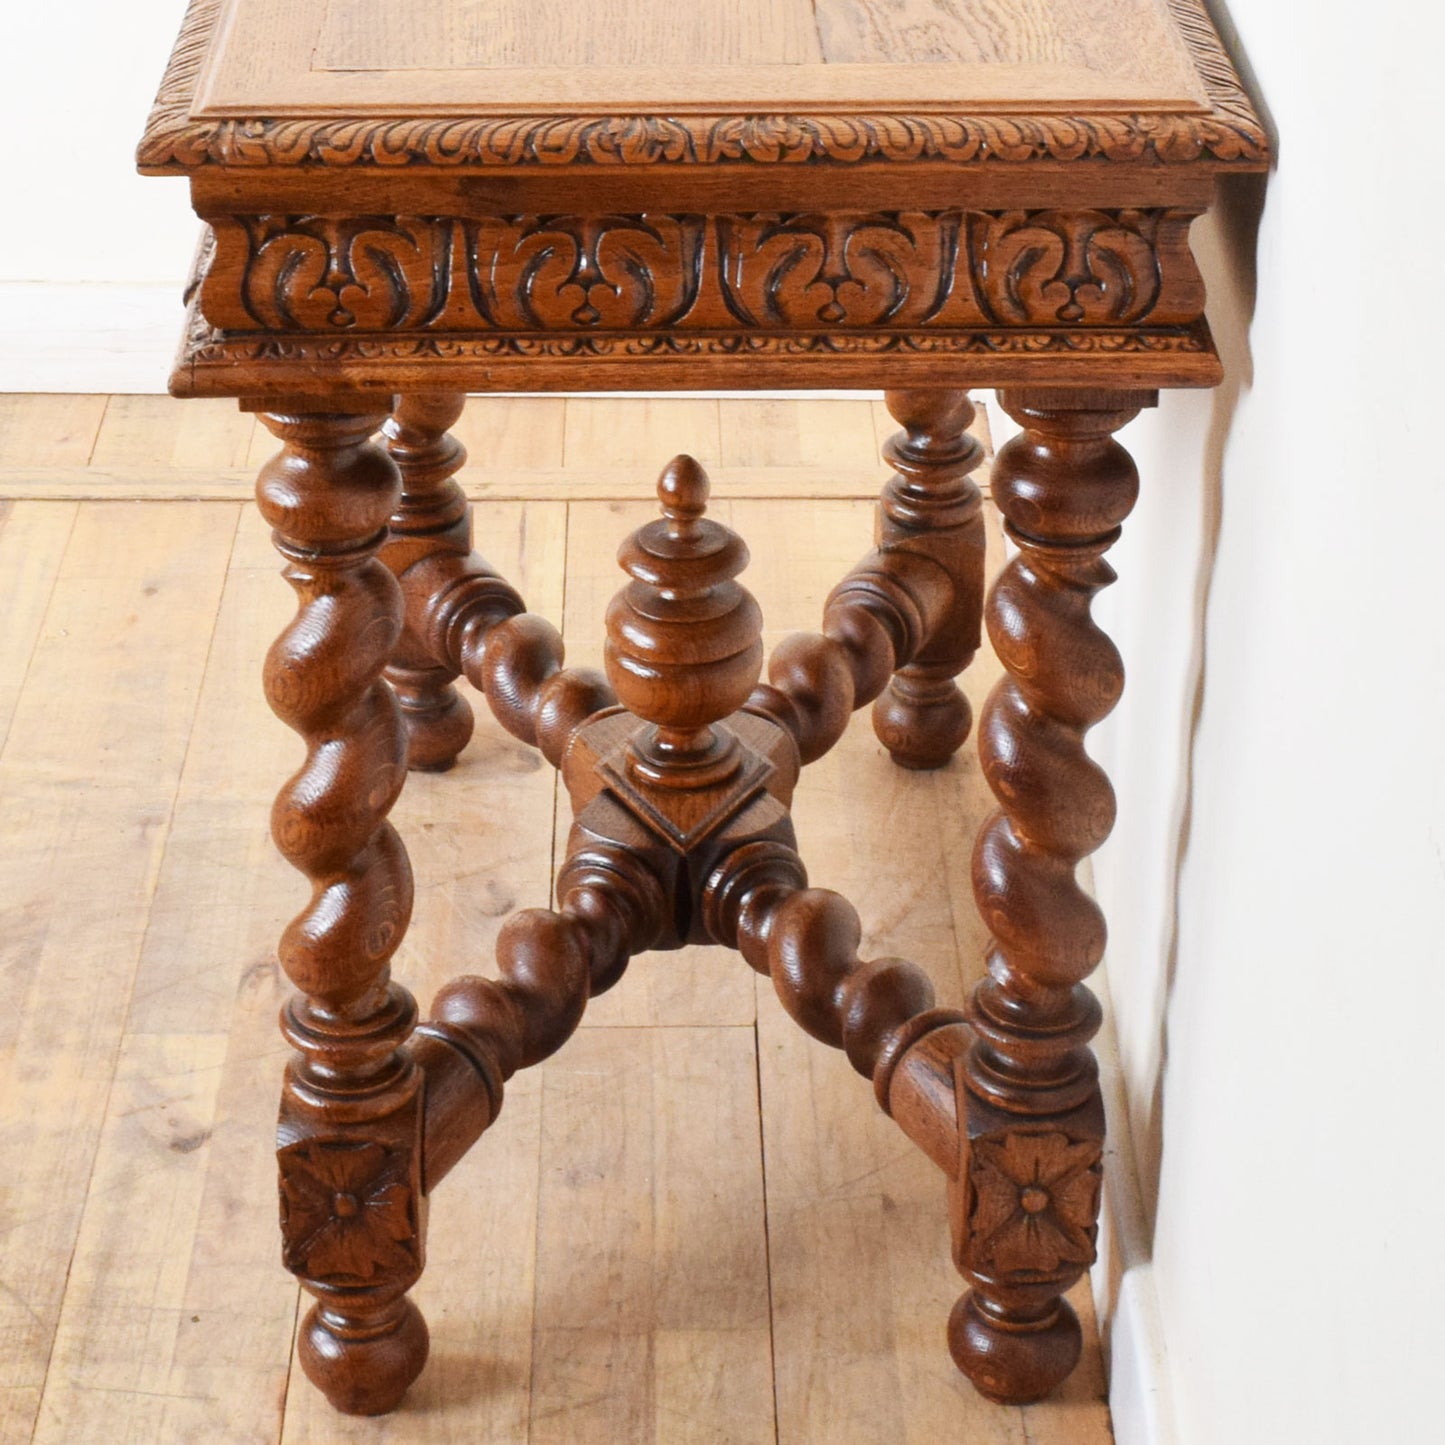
(434, 521)
(1026, 1200)
(932, 505)
(352, 1204)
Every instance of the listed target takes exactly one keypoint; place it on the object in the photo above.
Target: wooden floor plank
(652, 1296)
(32, 542)
(218, 1313)
(520, 448)
(779, 432)
(640, 432)
(154, 433)
(599, 1265)
(482, 480)
(512, 436)
(43, 430)
(87, 781)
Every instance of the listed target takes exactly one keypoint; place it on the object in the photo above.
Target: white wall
(1276, 883)
(79, 80)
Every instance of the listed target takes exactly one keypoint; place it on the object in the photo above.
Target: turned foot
(437, 718)
(1009, 1359)
(922, 720)
(364, 1366)
(931, 507)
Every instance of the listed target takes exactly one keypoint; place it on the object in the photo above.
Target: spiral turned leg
(1027, 1198)
(352, 1204)
(931, 505)
(433, 522)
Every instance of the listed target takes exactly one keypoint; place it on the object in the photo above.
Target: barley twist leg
(352, 1204)
(1026, 1200)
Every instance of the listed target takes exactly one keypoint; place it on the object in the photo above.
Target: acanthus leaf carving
(1085, 267)
(896, 271)
(1229, 133)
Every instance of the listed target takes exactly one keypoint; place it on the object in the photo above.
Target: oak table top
(540, 195)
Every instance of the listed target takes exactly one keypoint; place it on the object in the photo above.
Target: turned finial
(684, 638)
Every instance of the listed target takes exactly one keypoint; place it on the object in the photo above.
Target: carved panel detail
(1034, 1202)
(348, 1211)
(530, 275)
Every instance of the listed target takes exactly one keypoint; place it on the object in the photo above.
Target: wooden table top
(517, 82)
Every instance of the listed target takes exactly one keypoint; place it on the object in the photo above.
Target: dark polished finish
(353, 1213)
(933, 504)
(378, 246)
(431, 529)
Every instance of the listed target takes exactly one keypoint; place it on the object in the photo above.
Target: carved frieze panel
(534, 275)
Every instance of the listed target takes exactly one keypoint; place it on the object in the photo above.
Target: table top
(520, 82)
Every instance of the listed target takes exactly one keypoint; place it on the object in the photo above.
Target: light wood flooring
(691, 1225)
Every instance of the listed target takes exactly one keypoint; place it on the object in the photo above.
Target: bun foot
(1013, 1362)
(922, 722)
(364, 1365)
(437, 718)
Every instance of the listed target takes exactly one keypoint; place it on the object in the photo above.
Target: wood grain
(677, 1263)
(697, 985)
(44, 430)
(86, 793)
(32, 542)
(652, 1294)
(426, 58)
(148, 431)
(506, 34)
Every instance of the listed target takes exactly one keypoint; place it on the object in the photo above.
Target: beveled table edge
(1228, 136)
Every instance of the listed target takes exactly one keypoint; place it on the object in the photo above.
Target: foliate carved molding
(1229, 133)
(1034, 1203)
(896, 271)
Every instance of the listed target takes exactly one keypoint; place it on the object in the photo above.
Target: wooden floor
(691, 1225)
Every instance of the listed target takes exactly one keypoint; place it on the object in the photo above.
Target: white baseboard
(88, 336)
(1130, 1325)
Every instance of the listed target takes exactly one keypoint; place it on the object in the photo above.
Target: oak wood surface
(435, 55)
(267, 43)
(202, 1048)
(86, 792)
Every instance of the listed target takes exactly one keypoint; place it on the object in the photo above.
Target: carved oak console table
(409, 202)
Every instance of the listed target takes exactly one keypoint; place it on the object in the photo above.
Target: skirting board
(1125, 1302)
(88, 336)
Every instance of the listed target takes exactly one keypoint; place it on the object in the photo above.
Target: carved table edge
(1227, 136)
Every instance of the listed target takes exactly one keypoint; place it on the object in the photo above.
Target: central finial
(684, 638)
